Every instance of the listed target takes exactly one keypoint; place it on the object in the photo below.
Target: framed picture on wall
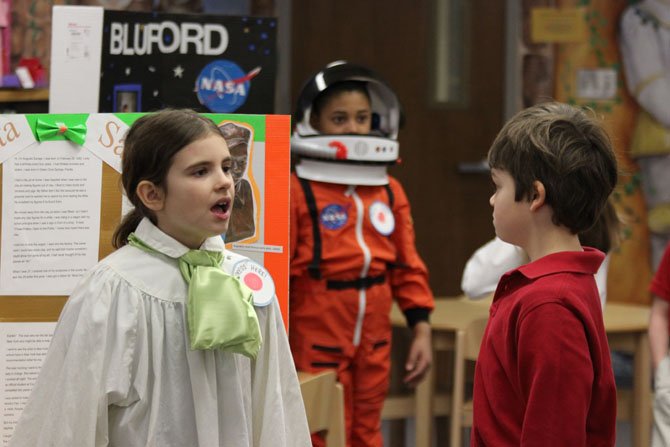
(127, 98)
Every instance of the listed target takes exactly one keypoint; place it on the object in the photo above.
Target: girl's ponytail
(128, 224)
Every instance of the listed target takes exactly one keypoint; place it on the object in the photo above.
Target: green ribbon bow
(220, 311)
(46, 130)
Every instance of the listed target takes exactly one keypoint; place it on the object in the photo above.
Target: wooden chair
(452, 316)
(466, 349)
(324, 404)
(402, 406)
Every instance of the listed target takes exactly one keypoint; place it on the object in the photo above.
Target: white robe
(119, 371)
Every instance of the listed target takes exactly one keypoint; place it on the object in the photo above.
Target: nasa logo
(333, 217)
(223, 87)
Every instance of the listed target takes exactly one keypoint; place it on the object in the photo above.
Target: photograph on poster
(127, 98)
(243, 222)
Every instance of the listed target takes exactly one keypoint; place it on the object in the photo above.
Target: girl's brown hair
(149, 146)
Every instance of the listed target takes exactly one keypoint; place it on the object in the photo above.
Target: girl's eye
(362, 119)
(226, 168)
(200, 172)
(338, 120)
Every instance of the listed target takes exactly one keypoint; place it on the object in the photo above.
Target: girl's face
(198, 197)
(346, 113)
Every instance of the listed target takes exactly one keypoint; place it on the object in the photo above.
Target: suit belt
(359, 283)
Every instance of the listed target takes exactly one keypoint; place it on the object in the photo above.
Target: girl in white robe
(120, 370)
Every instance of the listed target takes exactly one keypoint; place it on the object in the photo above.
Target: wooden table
(626, 327)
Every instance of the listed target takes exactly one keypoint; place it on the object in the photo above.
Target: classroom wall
(451, 212)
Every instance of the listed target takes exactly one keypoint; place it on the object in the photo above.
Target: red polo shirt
(660, 284)
(543, 376)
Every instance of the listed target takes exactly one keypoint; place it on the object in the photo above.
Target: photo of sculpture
(242, 224)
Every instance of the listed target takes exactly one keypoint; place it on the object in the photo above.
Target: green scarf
(220, 309)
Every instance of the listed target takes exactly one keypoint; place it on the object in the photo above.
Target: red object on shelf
(35, 68)
(5, 36)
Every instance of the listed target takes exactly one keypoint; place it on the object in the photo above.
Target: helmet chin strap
(342, 173)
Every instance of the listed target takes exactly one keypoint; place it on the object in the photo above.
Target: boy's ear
(151, 195)
(538, 195)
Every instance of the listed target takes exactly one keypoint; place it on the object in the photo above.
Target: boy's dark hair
(565, 149)
(605, 234)
(149, 146)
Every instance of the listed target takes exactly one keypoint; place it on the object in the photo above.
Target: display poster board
(123, 61)
(60, 202)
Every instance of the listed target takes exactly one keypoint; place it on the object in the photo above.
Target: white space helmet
(380, 147)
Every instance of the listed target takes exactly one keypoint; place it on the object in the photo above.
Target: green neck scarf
(220, 309)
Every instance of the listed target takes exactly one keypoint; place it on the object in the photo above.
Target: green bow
(220, 311)
(46, 130)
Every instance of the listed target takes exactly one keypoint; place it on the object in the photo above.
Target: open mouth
(221, 208)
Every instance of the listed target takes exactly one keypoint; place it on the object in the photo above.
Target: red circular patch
(253, 281)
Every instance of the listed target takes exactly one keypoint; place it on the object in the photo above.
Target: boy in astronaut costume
(352, 244)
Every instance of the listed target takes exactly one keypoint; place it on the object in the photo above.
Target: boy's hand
(420, 356)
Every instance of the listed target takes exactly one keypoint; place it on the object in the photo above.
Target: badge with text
(258, 279)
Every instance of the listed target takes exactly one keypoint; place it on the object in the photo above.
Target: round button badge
(258, 279)
(382, 218)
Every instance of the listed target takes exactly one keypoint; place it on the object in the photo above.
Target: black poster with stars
(219, 64)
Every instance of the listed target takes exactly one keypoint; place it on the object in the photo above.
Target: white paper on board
(597, 84)
(23, 347)
(76, 52)
(50, 218)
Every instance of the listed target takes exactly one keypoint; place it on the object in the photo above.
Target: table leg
(424, 409)
(642, 392)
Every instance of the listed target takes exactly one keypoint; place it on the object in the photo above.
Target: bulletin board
(35, 278)
(597, 59)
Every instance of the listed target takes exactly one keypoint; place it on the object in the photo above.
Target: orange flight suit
(345, 272)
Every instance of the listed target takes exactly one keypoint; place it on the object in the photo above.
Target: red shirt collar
(587, 261)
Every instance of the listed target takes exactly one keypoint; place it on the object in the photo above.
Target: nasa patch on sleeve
(258, 279)
(382, 218)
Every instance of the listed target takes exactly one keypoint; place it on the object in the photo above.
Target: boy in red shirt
(543, 376)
